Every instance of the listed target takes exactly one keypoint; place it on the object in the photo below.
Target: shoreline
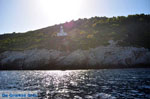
(83, 68)
(102, 57)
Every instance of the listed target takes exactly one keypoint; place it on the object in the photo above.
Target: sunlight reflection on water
(126, 83)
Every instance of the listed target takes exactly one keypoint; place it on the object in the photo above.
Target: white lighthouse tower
(62, 33)
(62, 40)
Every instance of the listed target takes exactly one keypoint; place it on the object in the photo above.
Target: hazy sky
(25, 15)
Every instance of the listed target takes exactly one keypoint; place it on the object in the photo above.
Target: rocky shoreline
(100, 57)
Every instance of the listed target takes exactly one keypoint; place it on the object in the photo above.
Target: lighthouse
(63, 40)
(61, 33)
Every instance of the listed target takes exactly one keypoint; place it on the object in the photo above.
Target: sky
(26, 15)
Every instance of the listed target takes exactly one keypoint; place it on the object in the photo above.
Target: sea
(131, 83)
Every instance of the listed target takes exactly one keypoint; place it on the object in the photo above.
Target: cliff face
(106, 56)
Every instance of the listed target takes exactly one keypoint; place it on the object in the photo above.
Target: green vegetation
(133, 30)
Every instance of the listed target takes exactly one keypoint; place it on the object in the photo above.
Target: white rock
(103, 55)
(77, 57)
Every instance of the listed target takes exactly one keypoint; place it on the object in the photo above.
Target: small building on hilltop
(63, 41)
(61, 33)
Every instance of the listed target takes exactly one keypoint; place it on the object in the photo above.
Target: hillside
(133, 30)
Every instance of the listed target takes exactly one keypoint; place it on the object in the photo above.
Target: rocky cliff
(100, 57)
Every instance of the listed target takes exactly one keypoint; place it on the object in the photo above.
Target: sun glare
(60, 9)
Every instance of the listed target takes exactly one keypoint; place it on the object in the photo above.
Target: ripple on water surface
(80, 84)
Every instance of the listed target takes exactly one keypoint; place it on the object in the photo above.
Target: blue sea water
(80, 84)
